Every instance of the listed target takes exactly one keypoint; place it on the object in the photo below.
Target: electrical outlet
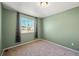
(72, 44)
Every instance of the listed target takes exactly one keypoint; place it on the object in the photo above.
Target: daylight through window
(26, 25)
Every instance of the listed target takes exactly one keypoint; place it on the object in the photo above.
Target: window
(26, 25)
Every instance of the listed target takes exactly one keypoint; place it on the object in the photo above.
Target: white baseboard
(2, 52)
(64, 47)
(18, 45)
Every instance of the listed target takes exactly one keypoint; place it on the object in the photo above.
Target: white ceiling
(34, 8)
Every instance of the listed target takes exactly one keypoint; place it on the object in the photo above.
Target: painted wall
(30, 36)
(40, 28)
(0, 28)
(25, 37)
(63, 28)
(8, 28)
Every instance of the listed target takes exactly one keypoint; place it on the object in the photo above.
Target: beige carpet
(39, 48)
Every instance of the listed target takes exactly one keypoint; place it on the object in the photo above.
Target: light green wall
(25, 37)
(0, 28)
(63, 28)
(40, 27)
(8, 28)
(30, 36)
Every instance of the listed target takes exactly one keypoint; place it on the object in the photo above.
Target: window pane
(26, 25)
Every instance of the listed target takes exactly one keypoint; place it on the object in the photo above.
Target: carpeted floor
(39, 48)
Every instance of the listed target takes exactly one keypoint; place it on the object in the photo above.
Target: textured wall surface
(8, 28)
(0, 27)
(40, 35)
(63, 28)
